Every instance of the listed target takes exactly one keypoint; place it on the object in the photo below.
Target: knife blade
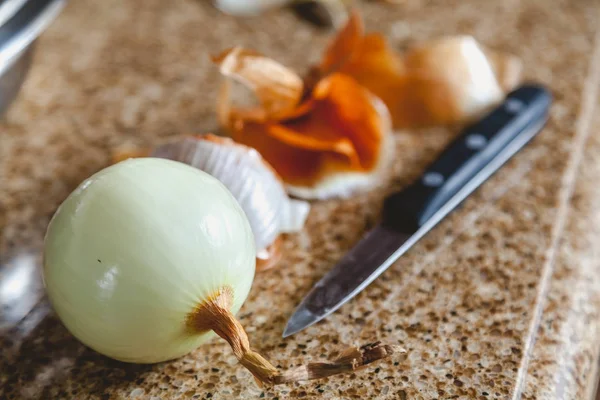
(479, 151)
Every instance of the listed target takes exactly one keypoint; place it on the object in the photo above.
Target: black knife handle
(475, 155)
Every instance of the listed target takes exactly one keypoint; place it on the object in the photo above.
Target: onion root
(213, 314)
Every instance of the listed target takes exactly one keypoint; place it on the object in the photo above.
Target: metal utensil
(408, 215)
(21, 22)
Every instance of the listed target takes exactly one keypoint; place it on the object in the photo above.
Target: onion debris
(443, 81)
(251, 180)
(332, 140)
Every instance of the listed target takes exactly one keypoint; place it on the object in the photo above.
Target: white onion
(139, 245)
(148, 257)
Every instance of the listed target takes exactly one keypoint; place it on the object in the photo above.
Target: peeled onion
(138, 230)
(149, 257)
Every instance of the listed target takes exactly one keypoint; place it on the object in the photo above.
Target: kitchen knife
(409, 214)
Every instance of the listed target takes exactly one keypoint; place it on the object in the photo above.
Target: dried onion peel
(333, 141)
(148, 258)
(252, 181)
(443, 81)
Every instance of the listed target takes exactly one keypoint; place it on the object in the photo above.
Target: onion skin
(252, 181)
(135, 248)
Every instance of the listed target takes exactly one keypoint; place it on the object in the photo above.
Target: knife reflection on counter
(411, 213)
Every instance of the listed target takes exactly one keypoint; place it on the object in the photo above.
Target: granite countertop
(500, 301)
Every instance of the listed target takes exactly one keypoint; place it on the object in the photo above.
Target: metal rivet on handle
(476, 141)
(433, 179)
(513, 106)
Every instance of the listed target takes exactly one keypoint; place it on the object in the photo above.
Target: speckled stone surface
(500, 301)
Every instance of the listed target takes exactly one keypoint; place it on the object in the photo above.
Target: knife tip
(293, 326)
(301, 319)
(287, 332)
